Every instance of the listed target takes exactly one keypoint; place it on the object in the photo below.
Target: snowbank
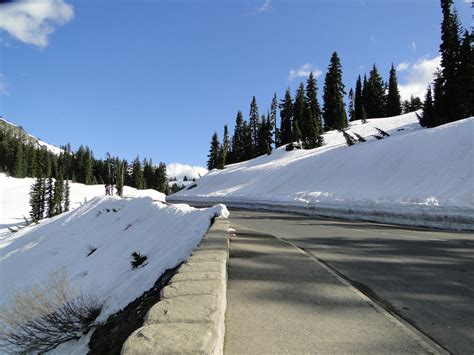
(94, 243)
(415, 169)
(14, 198)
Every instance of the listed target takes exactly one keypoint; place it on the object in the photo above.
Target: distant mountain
(19, 131)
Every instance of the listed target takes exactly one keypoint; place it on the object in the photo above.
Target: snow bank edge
(457, 219)
(163, 334)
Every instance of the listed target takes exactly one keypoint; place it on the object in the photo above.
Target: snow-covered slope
(115, 228)
(38, 142)
(413, 169)
(14, 198)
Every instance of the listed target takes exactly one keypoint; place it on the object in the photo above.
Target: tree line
(22, 158)
(451, 95)
(303, 121)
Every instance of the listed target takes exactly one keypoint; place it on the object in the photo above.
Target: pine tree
(67, 192)
(333, 108)
(273, 118)
(51, 206)
(161, 179)
(137, 174)
(214, 151)
(254, 121)
(363, 115)
(358, 102)
(237, 139)
(394, 107)
(59, 194)
(450, 58)
(299, 115)
(247, 142)
(352, 115)
(119, 177)
(18, 170)
(466, 76)
(427, 118)
(37, 199)
(313, 113)
(264, 146)
(286, 117)
(224, 153)
(374, 101)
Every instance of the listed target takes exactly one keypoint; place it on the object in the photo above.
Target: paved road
(426, 277)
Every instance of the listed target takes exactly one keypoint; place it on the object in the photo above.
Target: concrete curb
(190, 315)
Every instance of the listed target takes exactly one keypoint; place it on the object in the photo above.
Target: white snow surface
(178, 171)
(166, 234)
(14, 198)
(413, 168)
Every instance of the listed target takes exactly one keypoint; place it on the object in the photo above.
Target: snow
(413, 168)
(116, 227)
(14, 198)
(53, 149)
(179, 171)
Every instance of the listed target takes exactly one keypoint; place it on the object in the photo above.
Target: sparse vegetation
(138, 260)
(39, 318)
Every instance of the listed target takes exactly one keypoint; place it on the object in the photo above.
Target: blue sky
(156, 78)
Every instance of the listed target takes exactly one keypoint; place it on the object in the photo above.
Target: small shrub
(383, 133)
(360, 138)
(138, 260)
(39, 318)
(349, 139)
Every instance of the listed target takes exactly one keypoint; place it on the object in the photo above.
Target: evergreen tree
(363, 115)
(37, 199)
(148, 173)
(286, 117)
(352, 115)
(254, 119)
(161, 179)
(466, 76)
(247, 142)
(374, 101)
(19, 164)
(394, 107)
(358, 102)
(214, 151)
(299, 115)
(333, 107)
(51, 206)
(449, 105)
(59, 194)
(119, 177)
(137, 174)
(264, 137)
(427, 119)
(224, 153)
(314, 126)
(237, 139)
(67, 192)
(273, 118)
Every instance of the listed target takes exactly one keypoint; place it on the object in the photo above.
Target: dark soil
(109, 337)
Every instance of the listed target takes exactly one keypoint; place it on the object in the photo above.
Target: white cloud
(266, 6)
(413, 46)
(417, 76)
(179, 170)
(403, 66)
(3, 85)
(303, 72)
(33, 21)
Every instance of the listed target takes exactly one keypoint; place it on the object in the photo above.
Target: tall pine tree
(313, 137)
(374, 100)
(358, 102)
(286, 118)
(333, 107)
(394, 106)
(214, 152)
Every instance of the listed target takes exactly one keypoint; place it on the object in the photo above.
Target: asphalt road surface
(424, 277)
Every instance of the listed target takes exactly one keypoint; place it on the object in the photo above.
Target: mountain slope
(415, 169)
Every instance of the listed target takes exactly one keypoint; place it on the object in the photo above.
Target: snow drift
(94, 244)
(415, 170)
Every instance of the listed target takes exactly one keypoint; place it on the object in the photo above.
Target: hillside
(14, 198)
(92, 245)
(414, 170)
(19, 131)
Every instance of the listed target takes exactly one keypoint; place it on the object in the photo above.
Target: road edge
(189, 318)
